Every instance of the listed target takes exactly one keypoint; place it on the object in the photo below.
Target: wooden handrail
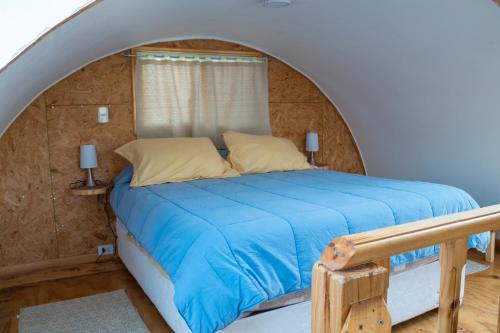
(350, 281)
(352, 250)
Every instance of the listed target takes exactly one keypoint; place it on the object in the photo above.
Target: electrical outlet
(105, 249)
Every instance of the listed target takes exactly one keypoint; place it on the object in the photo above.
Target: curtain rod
(131, 52)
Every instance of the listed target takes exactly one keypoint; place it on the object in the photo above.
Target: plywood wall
(39, 157)
(27, 231)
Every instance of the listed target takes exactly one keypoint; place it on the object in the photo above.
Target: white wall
(417, 81)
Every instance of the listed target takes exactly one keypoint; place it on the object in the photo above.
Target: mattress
(231, 244)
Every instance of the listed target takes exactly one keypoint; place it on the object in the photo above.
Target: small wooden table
(85, 190)
(100, 190)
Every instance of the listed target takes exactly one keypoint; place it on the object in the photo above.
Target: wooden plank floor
(479, 311)
(89, 279)
(478, 314)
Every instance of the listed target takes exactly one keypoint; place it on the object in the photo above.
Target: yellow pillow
(263, 153)
(158, 161)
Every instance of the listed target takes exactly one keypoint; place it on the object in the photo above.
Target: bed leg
(350, 300)
(490, 251)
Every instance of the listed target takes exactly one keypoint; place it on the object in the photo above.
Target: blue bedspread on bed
(229, 244)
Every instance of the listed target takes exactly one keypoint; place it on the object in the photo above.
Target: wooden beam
(341, 299)
(386, 263)
(9, 271)
(490, 251)
(14, 276)
(352, 250)
(452, 255)
(198, 51)
(61, 272)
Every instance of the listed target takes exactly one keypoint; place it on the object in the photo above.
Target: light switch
(102, 114)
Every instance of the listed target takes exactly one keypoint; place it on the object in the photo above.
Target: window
(200, 95)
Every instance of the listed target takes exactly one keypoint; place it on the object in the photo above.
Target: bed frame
(412, 292)
(350, 282)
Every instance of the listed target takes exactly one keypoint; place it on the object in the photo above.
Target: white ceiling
(37, 17)
(417, 81)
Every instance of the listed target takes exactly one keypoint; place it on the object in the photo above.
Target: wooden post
(490, 251)
(387, 264)
(452, 256)
(343, 295)
(351, 298)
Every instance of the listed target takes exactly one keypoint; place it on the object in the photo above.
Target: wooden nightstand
(323, 166)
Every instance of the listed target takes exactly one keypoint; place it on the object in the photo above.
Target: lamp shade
(88, 158)
(312, 143)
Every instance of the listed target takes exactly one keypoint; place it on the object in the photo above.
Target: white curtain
(197, 95)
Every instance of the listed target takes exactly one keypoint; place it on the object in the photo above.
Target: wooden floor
(478, 314)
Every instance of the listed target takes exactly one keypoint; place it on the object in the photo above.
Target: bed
(235, 254)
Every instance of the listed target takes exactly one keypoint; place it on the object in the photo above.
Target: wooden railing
(350, 282)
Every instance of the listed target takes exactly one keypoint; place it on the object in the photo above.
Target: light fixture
(312, 145)
(88, 160)
(276, 3)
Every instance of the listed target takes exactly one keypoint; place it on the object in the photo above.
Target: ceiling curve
(416, 81)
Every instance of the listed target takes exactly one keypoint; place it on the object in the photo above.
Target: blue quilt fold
(230, 244)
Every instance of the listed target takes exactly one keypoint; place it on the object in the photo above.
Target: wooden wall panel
(26, 220)
(81, 222)
(40, 152)
(286, 85)
(71, 120)
(107, 81)
(294, 120)
(339, 148)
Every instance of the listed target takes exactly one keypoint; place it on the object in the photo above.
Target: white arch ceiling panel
(22, 22)
(417, 81)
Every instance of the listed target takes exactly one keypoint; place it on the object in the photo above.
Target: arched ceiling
(37, 16)
(418, 82)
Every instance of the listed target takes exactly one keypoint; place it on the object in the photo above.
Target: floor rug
(474, 267)
(102, 313)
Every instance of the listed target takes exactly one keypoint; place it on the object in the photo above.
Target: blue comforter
(230, 244)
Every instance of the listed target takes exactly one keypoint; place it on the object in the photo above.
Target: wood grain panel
(26, 219)
(294, 120)
(339, 149)
(81, 222)
(288, 85)
(107, 81)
